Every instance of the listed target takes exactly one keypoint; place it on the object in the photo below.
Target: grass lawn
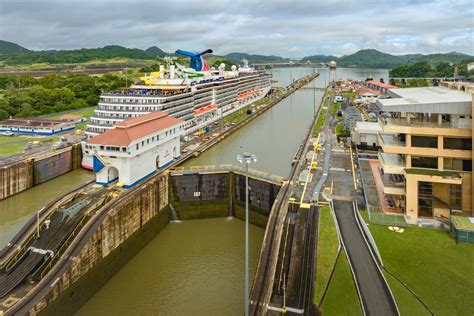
(341, 298)
(339, 128)
(432, 265)
(85, 112)
(327, 251)
(10, 145)
(406, 301)
(321, 120)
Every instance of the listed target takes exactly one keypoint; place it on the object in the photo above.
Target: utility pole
(246, 158)
(126, 78)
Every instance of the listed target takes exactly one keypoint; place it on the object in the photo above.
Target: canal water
(195, 267)
(16, 210)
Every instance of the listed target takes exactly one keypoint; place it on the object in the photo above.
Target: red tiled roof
(382, 85)
(135, 128)
(71, 117)
(363, 90)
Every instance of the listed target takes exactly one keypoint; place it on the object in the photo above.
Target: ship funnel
(197, 61)
(162, 71)
(171, 71)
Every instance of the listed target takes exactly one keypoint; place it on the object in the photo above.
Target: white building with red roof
(136, 148)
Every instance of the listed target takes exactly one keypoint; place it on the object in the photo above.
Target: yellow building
(426, 157)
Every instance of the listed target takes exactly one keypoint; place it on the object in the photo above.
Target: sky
(287, 28)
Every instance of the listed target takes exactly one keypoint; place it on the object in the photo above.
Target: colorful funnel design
(197, 61)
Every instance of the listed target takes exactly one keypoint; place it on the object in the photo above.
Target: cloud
(289, 28)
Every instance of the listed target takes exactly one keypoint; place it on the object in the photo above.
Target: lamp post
(246, 158)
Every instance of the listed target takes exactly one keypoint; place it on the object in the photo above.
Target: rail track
(267, 273)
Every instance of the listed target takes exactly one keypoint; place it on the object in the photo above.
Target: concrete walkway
(375, 293)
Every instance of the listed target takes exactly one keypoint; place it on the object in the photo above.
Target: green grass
(432, 265)
(339, 128)
(432, 172)
(10, 145)
(321, 120)
(327, 251)
(406, 301)
(341, 298)
(85, 112)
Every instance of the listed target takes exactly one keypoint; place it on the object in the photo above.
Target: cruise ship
(197, 94)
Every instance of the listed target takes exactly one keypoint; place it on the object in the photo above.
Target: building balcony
(392, 163)
(424, 127)
(390, 140)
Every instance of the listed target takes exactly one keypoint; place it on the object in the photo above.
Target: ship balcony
(392, 163)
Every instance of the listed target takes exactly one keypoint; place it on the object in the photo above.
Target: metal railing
(227, 168)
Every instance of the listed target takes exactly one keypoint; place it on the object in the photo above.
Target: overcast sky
(287, 28)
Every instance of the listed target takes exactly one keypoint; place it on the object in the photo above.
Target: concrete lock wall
(15, 178)
(20, 176)
(128, 226)
(221, 194)
(200, 195)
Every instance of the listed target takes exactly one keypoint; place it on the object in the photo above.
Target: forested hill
(12, 57)
(371, 58)
(255, 59)
(10, 48)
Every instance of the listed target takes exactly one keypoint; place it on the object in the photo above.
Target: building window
(455, 196)
(458, 143)
(424, 162)
(137, 146)
(457, 164)
(423, 141)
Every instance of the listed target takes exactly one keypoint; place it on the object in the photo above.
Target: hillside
(370, 58)
(452, 57)
(78, 55)
(10, 48)
(319, 58)
(155, 51)
(255, 59)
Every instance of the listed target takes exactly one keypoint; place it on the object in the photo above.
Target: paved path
(375, 293)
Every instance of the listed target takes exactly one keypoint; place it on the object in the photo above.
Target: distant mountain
(255, 59)
(155, 51)
(76, 56)
(371, 58)
(452, 57)
(319, 58)
(10, 48)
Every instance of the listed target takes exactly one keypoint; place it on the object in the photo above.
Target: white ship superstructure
(196, 97)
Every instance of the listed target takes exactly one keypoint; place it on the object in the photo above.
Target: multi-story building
(426, 152)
